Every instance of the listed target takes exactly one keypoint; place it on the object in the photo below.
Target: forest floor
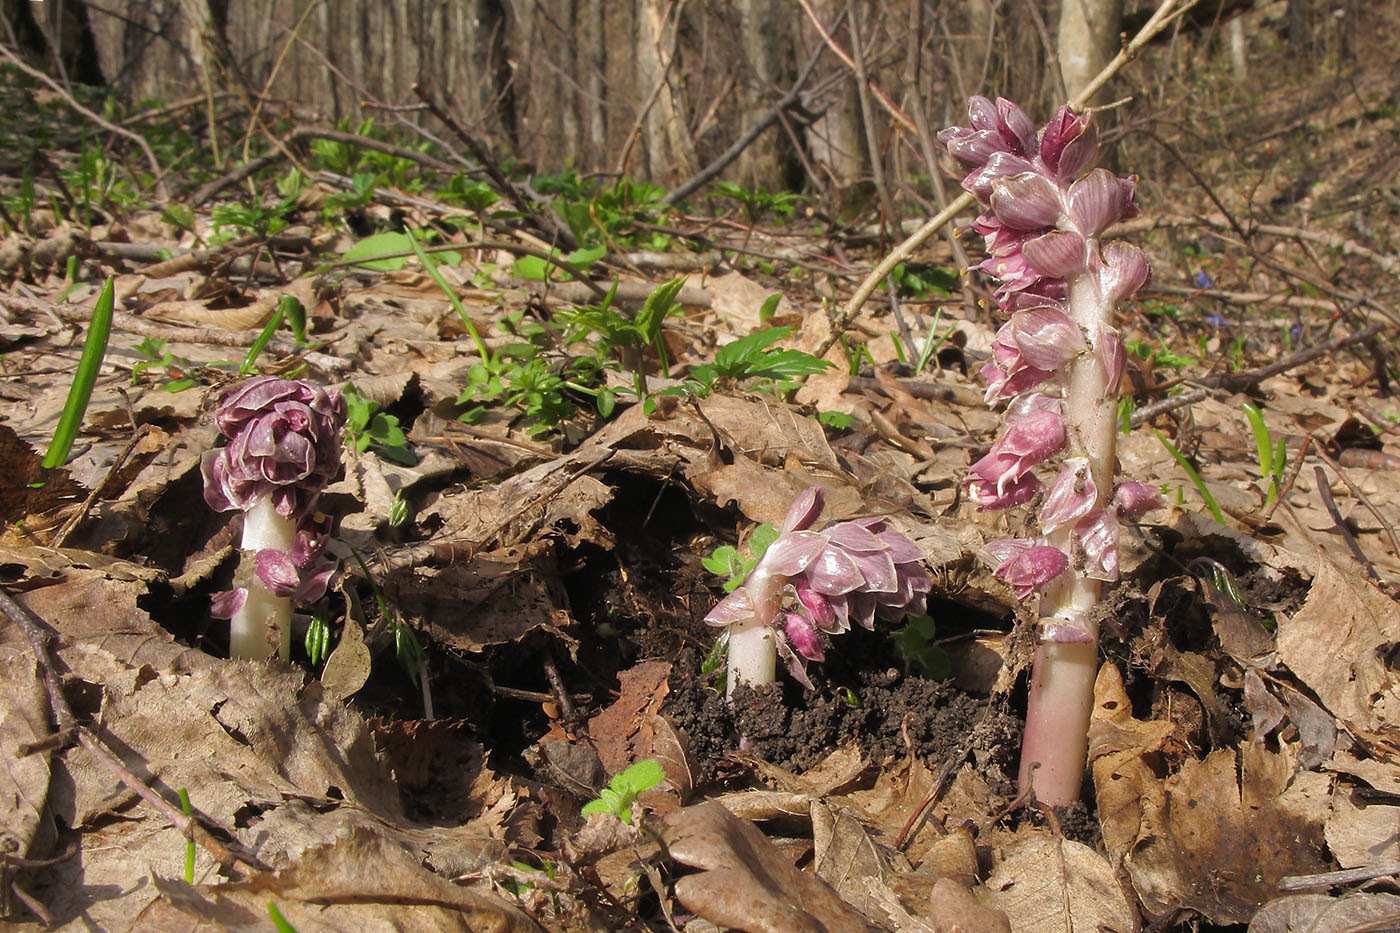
(524, 521)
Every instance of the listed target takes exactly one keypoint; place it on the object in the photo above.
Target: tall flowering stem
(810, 585)
(283, 448)
(1057, 363)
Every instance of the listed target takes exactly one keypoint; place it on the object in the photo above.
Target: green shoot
(1200, 484)
(318, 640)
(751, 357)
(264, 338)
(367, 426)
(921, 655)
(617, 798)
(1272, 455)
(188, 810)
(80, 392)
(430, 266)
(279, 922)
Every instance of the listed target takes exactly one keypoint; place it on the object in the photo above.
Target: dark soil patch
(866, 699)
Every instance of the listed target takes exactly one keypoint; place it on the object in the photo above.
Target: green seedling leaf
(763, 536)
(921, 655)
(380, 244)
(836, 419)
(1263, 442)
(318, 640)
(769, 306)
(1200, 484)
(430, 266)
(624, 788)
(80, 392)
(294, 313)
(279, 922)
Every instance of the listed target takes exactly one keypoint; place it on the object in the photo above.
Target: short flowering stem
(263, 613)
(1058, 363)
(753, 655)
(1062, 674)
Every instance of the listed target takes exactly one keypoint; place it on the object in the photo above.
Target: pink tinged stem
(753, 645)
(1054, 748)
(265, 620)
(1062, 675)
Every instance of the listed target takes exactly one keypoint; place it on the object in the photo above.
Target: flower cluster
(1058, 360)
(284, 443)
(284, 447)
(810, 584)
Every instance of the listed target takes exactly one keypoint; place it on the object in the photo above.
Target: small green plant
(922, 656)
(1272, 455)
(1199, 483)
(318, 639)
(617, 798)
(921, 283)
(84, 378)
(1158, 357)
(754, 357)
(728, 562)
(367, 426)
(157, 357)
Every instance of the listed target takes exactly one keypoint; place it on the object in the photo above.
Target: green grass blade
(431, 268)
(1209, 500)
(1263, 443)
(80, 392)
(264, 338)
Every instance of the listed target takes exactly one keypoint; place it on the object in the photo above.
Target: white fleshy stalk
(265, 620)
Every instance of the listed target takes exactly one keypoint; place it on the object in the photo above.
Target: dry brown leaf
(358, 882)
(1242, 832)
(1321, 913)
(1337, 644)
(641, 689)
(744, 882)
(1048, 884)
(1360, 832)
(24, 720)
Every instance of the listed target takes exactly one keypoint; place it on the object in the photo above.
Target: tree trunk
(1088, 40)
(835, 141)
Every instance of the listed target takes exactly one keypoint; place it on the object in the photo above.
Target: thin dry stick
(1237, 382)
(1360, 496)
(107, 125)
(39, 641)
(1324, 490)
(547, 221)
(841, 53)
(1165, 14)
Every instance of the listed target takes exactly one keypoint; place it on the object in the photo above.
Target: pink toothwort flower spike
(1057, 255)
(1046, 338)
(283, 448)
(1071, 496)
(1028, 201)
(1050, 208)
(817, 607)
(803, 636)
(1096, 540)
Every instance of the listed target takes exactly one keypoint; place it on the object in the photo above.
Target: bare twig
(546, 219)
(1246, 379)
